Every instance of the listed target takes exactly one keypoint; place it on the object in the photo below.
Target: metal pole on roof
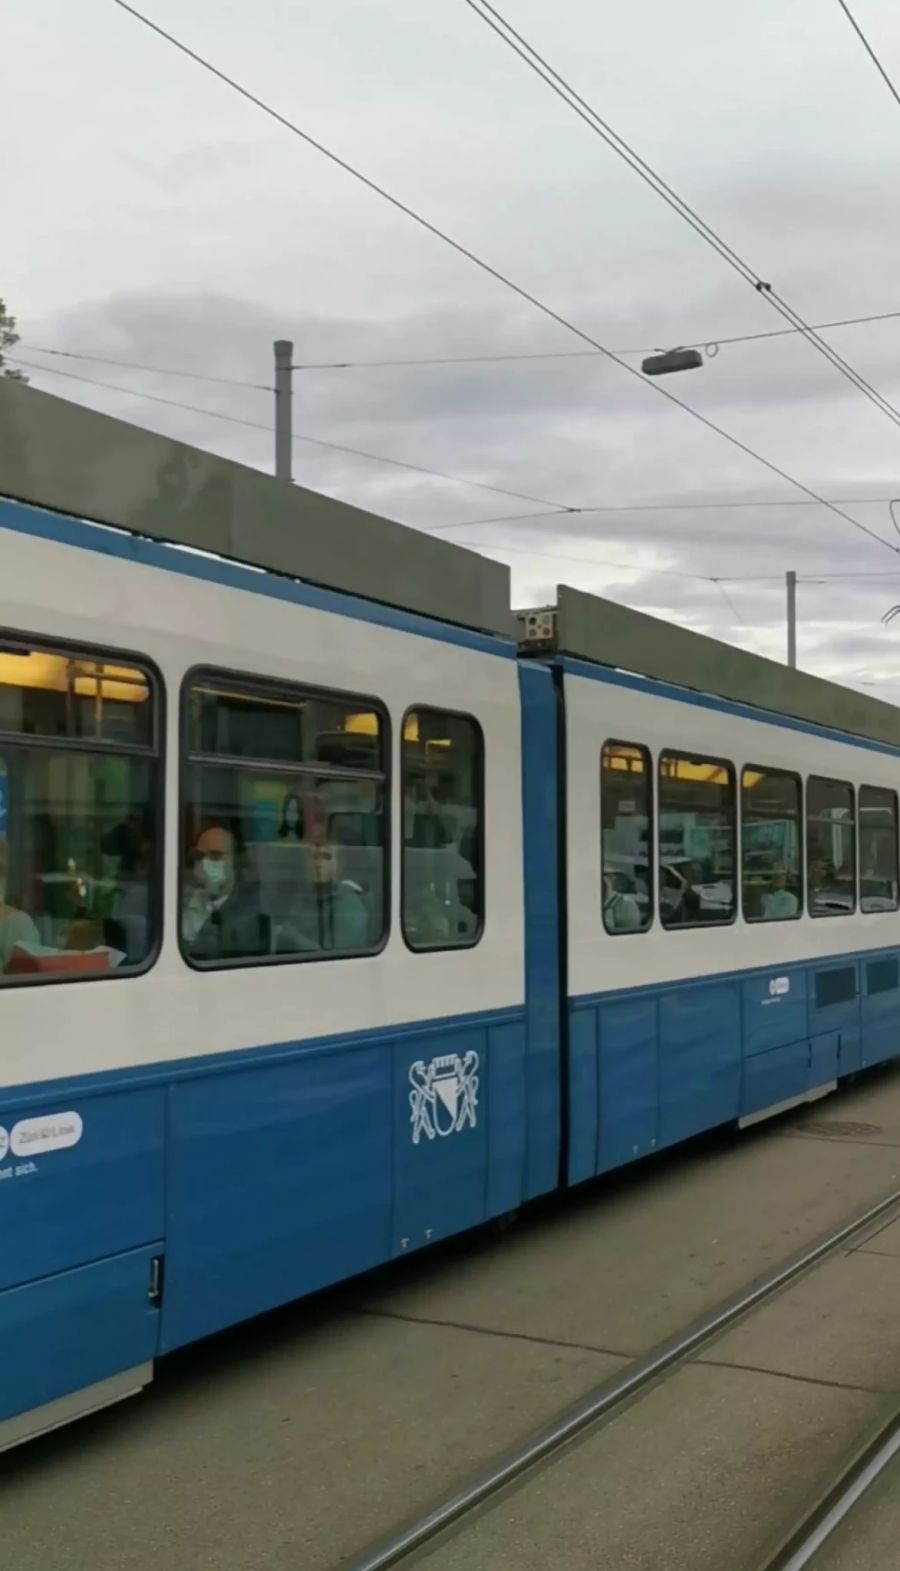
(284, 395)
(790, 579)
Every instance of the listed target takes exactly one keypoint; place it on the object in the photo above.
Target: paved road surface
(288, 1444)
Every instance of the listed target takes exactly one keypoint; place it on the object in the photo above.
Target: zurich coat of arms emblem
(444, 1095)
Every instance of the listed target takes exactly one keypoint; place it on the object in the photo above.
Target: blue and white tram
(330, 926)
(738, 984)
(221, 1090)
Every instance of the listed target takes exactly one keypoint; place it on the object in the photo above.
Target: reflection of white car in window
(835, 901)
(877, 894)
(629, 875)
(715, 895)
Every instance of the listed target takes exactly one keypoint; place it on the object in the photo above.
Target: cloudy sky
(151, 215)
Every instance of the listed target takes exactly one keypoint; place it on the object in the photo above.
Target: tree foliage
(8, 340)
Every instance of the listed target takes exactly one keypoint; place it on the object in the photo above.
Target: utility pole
(790, 579)
(284, 396)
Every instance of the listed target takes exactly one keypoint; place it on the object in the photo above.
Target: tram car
(340, 911)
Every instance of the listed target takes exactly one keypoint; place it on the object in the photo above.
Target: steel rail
(802, 1546)
(608, 1399)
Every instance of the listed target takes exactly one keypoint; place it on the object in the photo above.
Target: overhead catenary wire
(718, 580)
(589, 561)
(586, 561)
(636, 568)
(258, 426)
(737, 613)
(297, 436)
(870, 51)
(672, 507)
(729, 601)
(154, 370)
(493, 272)
(536, 62)
(554, 511)
(708, 342)
(560, 510)
(667, 572)
(513, 357)
(887, 79)
(595, 561)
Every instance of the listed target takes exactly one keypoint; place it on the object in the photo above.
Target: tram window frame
(155, 752)
(696, 757)
(885, 910)
(649, 772)
(844, 785)
(445, 712)
(800, 823)
(256, 685)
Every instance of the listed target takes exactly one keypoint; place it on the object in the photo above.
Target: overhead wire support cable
(553, 510)
(493, 272)
(869, 50)
(673, 507)
(536, 62)
(446, 360)
(153, 370)
(557, 508)
(730, 602)
(558, 556)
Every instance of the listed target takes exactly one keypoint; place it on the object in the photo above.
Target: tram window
(48, 694)
(830, 847)
(771, 876)
(877, 849)
(626, 810)
(286, 726)
(443, 830)
(78, 801)
(696, 856)
(284, 823)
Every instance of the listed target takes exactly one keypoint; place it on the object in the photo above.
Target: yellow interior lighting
(59, 674)
(694, 769)
(411, 733)
(362, 724)
(629, 760)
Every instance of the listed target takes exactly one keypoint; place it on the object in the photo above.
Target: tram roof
(604, 633)
(58, 455)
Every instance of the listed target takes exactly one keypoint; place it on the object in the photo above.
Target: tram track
(609, 1400)
(802, 1546)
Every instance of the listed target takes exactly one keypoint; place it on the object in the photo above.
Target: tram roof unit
(60, 456)
(601, 632)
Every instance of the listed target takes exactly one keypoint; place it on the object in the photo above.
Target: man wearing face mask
(221, 917)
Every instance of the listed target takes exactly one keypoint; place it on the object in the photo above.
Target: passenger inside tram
(16, 926)
(221, 915)
(305, 878)
(128, 850)
(291, 827)
(777, 901)
(442, 878)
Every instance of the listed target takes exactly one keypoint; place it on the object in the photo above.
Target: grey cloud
(531, 432)
(191, 168)
(791, 156)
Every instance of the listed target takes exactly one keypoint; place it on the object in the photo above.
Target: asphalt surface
(290, 1443)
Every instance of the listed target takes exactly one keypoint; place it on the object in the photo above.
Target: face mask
(215, 873)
